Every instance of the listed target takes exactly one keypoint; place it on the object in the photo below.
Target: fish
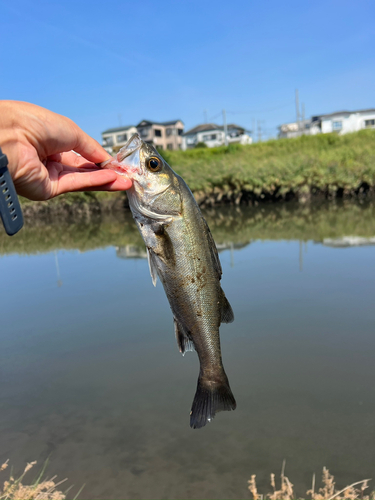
(182, 254)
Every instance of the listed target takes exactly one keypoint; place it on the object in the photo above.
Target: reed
(39, 489)
(328, 490)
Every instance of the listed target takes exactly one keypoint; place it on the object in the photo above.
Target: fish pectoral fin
(152, 266)
(183, 341)
(213, 250)
(227, 315)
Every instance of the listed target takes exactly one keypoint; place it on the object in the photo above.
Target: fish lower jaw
(119, 169)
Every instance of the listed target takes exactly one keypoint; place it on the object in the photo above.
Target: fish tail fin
(210, 398)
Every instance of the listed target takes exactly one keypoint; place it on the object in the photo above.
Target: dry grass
(327, 492)
(39, 489)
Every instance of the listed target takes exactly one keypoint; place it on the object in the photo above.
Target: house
(213, 135)
(341, 122)
(345, 121)
(113, 139)
(294, 129)
(163, 135)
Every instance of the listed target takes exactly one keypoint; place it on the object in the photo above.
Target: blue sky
(106, 63)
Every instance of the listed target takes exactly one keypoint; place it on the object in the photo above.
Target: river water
(91, 377)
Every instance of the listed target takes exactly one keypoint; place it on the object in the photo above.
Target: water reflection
(236, 227)
(90, 374)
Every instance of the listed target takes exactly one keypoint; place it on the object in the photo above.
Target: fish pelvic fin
(152, 266)
(183, 341)
(210, 398)
(227, 315)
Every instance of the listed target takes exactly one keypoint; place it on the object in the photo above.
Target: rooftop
(144, 123)
(340, 113)
(117, 129)
(205, 127)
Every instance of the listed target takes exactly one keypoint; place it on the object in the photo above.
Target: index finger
(88, 147)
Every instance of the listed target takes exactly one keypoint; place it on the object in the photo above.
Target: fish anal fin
(227, 315)
(183, 341)
(152, 266)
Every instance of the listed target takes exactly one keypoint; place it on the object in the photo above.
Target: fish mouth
(117, 164)
(133, 144)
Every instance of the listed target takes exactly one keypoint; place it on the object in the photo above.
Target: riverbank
(326, 166)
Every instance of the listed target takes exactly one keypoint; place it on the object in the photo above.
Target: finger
(71, 159)
(71, 162)
(101, 180)
(52, 133)
(88, 147)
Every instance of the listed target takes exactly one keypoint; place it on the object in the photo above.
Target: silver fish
(182, 253)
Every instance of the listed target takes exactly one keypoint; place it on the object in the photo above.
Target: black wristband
(10, 208)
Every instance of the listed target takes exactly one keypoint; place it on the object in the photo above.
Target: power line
(216, 116)
(261, 110)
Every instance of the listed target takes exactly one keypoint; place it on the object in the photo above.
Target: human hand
(39, 145)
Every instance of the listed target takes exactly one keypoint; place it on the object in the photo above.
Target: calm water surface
(91, 377)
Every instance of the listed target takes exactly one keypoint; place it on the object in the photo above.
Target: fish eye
(154, 164)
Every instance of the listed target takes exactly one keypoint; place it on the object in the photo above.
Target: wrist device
(10, 208)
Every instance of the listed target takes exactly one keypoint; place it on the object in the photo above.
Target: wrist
(9, 135)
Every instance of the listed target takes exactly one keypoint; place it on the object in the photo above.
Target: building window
(169, 146)
(180, 130)
(157, 132)
(209, 137)
(121, 137)
(337, 125)
(169, 131)
(143, 132)
(369, 123)
(107, 141)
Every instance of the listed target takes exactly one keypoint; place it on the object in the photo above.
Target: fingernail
(122, 179)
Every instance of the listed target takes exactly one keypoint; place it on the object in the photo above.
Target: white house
(347, 121)
(341, 122)
(113, 139)
(213, 135)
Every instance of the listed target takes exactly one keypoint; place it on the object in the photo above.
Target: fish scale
(183, 255)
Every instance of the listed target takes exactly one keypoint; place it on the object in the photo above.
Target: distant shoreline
(306, 169)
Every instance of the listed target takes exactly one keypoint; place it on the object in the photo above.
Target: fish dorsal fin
(213, 250)
(152, 266)
(227, 315)
(183, 341)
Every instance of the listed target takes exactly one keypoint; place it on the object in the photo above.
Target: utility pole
(297, 110)
(253, 129)
(259, 131)
(225, 127)
(205, 115)
(303, 117)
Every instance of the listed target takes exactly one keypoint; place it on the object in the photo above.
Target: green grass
(325, 162)
(322, 161)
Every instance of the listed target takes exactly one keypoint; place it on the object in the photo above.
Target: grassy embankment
(328, 165)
